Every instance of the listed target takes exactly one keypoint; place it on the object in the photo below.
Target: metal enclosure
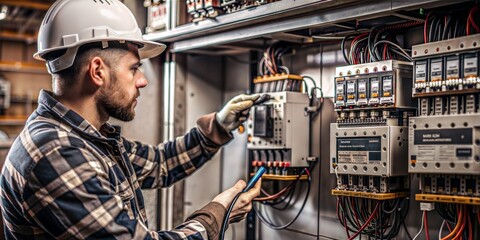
(442, 144)
(352, 150)
(206, 91)
(290, 128)
(212, 78)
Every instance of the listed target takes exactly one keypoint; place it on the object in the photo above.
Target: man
(69, 174)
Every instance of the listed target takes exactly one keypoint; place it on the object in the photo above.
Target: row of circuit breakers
(394, 118)
(200, 9)
(381, 136)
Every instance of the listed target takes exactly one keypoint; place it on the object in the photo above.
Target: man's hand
(236, 111)
(244, 202)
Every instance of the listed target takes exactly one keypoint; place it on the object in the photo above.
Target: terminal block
(278, 83)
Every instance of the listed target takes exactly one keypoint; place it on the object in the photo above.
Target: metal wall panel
(213, 83)
(203, 95)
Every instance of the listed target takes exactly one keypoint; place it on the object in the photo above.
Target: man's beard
(112, 99)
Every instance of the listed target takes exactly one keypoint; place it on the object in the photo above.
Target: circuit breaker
(157, 17)
(444, 140)
(279, 132)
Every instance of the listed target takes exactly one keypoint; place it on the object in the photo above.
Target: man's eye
(137, 69)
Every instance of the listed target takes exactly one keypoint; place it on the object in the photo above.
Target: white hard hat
(69, 24)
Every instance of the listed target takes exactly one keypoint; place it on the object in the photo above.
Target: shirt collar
(48, 105)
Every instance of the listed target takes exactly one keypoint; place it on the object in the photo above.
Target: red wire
(402, 25)
(448, 226)
(469, 220)
(342, 218)
(367, 222)
(345, 223)
(478, 215)
(385, 52)
(354, 212)
(474, 10)
(471, 20)
(273, 61)
(427, 235)
(425, 28)
(352, 44)
(460, 231)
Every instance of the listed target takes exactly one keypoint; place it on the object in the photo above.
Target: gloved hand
(236, 111)
(244, 203)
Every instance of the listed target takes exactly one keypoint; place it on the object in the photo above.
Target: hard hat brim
(151, 49)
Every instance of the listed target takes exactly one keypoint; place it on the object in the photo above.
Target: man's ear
(97, 70)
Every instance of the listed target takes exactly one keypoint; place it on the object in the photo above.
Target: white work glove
(236, 111)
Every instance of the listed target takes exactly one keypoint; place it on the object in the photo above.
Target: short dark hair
(86, 52)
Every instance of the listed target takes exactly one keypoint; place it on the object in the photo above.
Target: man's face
(119, 95)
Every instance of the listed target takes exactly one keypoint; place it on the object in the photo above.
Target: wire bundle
(281, 201)
(443, 26)
(374, 218)
(272, 62)
(462, 221)
(377, 45)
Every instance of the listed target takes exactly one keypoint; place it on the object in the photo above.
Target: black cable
(276, 202)
(275, 227)
(370, 45)
(446, 27)
(430, 31)
(381, 227)
(342, 46)
(227, 216)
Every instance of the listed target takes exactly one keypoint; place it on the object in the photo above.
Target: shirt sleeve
(163, 165)
(68, 194)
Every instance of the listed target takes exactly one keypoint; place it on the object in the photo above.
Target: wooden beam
(27, 4)
(14, 66)
(10, 35)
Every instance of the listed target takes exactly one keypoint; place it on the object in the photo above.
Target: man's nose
(141, 81)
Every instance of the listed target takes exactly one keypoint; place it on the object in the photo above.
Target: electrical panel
(279, 133)
(444, 140)
(156, 15)
(201, 9)
(237, 5)
(369, 150)
(372, 87)
(368, 143)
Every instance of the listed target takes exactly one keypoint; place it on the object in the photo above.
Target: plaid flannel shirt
(64, 179)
